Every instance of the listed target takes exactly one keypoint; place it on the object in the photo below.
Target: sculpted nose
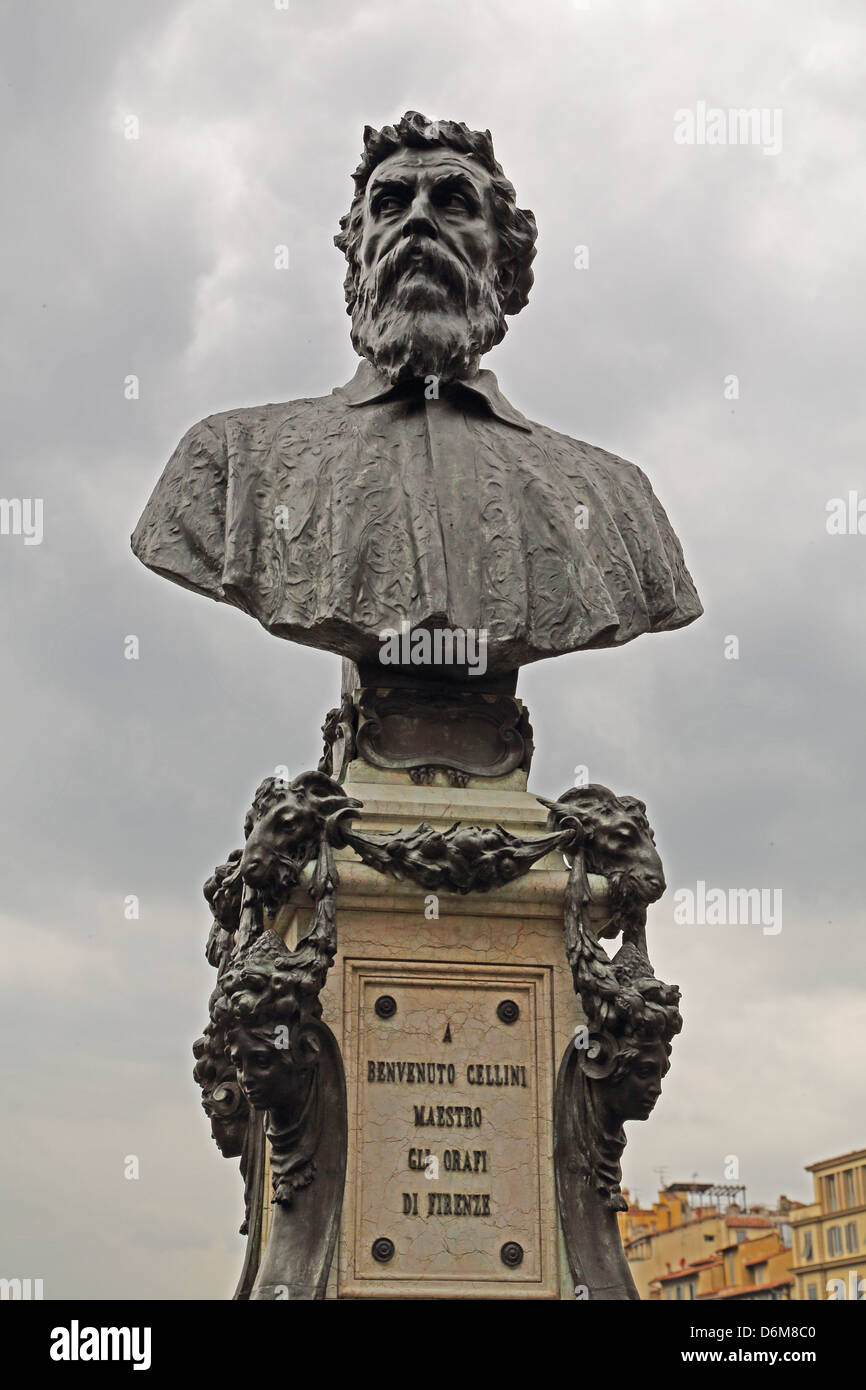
(419, 221)
(251, 866)
(654, 877)
(657, 883)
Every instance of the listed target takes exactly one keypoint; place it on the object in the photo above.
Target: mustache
(438, 263)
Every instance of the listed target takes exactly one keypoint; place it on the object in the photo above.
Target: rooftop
(741, 1290)
(849, 1159)
(748, 1221)
(686, 1270)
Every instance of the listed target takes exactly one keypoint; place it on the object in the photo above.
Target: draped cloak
(332, 519)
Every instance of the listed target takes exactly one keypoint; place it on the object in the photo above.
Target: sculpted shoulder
(618, 513)
(191, 518)
(564, 448)
(266, 418)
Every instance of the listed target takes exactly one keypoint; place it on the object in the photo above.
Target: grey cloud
(155, 257)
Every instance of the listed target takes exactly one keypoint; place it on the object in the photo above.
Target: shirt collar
(369, 385)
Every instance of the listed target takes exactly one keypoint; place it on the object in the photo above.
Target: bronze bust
(416, 494)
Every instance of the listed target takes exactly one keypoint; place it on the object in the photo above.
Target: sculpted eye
(389, 202)
(454, 201)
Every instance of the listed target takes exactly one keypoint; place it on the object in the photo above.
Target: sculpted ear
(315, 784)
(334, 822)
(320, 792)
(563, 816)
(597, 1059)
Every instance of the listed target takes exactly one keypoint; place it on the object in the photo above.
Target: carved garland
(266, 1050)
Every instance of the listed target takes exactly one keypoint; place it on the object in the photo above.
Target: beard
(421, 312)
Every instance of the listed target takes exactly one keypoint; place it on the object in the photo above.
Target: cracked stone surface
(450, 971)
(505, 1137)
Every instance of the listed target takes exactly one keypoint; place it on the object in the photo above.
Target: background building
(830, 1234)
(701, 1241)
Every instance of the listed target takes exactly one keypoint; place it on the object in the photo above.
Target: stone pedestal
(452, 1013)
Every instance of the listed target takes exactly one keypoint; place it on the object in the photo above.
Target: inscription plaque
(451, 1105)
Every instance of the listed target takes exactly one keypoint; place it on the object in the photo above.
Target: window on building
(830, 1197)
(848, 1187)
(760, 1273)
(679, 1291)
(851, 1237)
(812, 1292)
(692, 1288)
(806, 1246)
(834, 1240)
(741, 1236)
(731, 1267)
(667, 1293)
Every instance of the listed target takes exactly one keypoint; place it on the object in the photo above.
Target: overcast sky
(155, 257)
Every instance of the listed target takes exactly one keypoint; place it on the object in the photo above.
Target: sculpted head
(615, 838)
(262, 1000)
(284, 828)
(631, 1073)
(437, 249)
(633, 1018)
(631, 1093)
(264, 1079)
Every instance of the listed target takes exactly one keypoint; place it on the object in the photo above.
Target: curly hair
(516, 226)
(624, 999)
(621, 997)
(269, 985)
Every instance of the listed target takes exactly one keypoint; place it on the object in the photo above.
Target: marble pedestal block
(452, 1013)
